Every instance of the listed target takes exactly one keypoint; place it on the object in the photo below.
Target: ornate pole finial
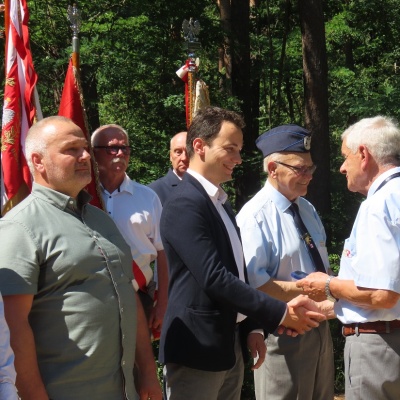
(191, 29)
(74, 17)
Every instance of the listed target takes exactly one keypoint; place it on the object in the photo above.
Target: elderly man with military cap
(281, 235)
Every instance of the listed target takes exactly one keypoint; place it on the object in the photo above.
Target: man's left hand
(257, 347)
(149, 388)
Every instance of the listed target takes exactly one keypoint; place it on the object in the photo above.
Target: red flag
(19, 108)
(71, 106)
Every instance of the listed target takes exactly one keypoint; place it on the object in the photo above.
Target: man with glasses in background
(282, 233)
(136, 210)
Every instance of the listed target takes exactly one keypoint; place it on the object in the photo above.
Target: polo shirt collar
(60, 200)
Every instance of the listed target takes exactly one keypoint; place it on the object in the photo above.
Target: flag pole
(191, 29)
(74, 17)
(72, 103)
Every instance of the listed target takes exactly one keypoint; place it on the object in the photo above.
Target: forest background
(320, 64)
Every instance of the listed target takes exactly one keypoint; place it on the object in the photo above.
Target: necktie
(307, 239)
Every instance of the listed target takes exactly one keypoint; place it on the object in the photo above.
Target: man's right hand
(302, 315)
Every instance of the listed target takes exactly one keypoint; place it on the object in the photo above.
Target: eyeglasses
(344, 156)
(113, 150)
(304, 170)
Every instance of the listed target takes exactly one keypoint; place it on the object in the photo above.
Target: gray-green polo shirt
(72, 258)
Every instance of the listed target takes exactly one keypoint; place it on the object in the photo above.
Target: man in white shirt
(366, 292)
(136, 210)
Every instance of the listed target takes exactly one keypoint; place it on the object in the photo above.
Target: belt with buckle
(370, 327)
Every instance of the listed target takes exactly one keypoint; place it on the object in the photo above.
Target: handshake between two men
(304, 313)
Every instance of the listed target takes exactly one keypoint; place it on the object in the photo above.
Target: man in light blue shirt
(208, 292)
(368, 285)
(301, 367)
(8, 390)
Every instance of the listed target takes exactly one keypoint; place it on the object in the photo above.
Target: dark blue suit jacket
(165, 185)
(205, 293)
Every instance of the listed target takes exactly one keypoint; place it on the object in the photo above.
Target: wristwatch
(328, 290)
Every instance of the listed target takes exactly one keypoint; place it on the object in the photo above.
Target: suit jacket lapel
(228, 209)
(171, 178)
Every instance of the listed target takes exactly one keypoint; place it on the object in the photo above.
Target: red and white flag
(21, 105)
(72, 106)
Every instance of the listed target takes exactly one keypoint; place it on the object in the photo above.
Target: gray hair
(35, 143)
(97, 133)
(380, 135)
(270, 157)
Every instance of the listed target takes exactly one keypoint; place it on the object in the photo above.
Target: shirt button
(122, 309)
(123, 362)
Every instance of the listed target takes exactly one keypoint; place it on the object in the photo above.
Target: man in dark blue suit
(180, 162)
(209, 297)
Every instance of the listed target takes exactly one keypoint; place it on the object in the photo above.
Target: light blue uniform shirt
(371, 255)
(271, 244)
(8, 390)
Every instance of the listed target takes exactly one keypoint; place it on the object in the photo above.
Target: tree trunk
(247, 91)
(282, 57)
(316, 100)
(224, 52)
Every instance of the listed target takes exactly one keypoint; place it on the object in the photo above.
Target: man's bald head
(177, 153)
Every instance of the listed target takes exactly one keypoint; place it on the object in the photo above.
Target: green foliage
(130, 51)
